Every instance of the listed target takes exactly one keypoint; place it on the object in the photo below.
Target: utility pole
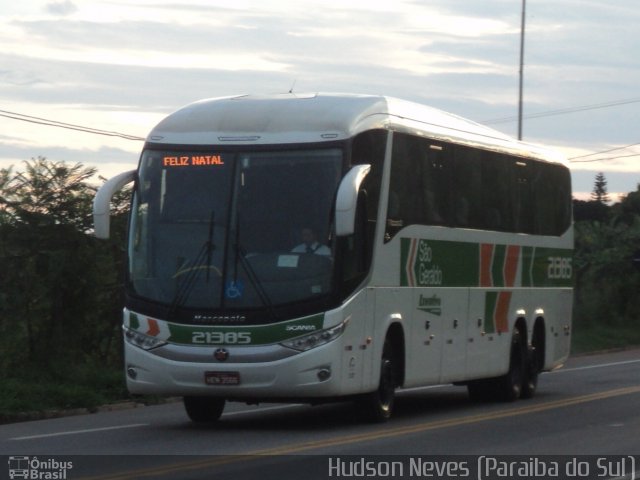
(524, 3)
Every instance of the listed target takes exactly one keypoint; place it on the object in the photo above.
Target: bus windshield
(233, 230)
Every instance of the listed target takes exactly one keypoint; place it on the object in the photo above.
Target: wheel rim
(517, 369)
(387, 386)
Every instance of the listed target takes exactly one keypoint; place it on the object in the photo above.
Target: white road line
(264, 409)
(75, 432)
(561, 370)
(600, 365)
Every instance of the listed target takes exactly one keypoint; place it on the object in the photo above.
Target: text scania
(221, 338)
(300, 328)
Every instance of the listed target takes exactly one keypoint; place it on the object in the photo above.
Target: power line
(606, 158)
(582, 108)
(601, 152)
(564, 111)
(68, 126)
(96, 131)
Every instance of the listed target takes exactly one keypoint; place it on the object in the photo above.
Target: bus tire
(536, 352)
(530, 382)
(510, 384)
(204, 409)
(377, 406)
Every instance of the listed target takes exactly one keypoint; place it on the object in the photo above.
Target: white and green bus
(317, 247)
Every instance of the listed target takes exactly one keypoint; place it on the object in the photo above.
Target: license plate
(222, 378)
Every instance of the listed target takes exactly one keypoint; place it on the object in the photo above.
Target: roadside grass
(33, 390)
(593, 337)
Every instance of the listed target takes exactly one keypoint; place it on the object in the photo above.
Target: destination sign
(192, 160)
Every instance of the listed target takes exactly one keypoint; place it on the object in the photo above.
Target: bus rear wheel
(510, 385)
(535, 361)
(519, 381)
(377, 406)
(204, 409)
(530, 383)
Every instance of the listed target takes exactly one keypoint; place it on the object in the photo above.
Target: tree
(631, 202)
(60, 289)
(48, 193)
(599, 193)
(590, 211)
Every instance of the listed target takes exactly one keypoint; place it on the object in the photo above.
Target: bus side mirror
(347, 199)
(102, 202)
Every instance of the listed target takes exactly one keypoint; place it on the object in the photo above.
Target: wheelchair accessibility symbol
(234, 289)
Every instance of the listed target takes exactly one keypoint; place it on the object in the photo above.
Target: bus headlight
(315, 339)
(141, 340)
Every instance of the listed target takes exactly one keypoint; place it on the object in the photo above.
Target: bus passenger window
(467, 188)
(437, 183)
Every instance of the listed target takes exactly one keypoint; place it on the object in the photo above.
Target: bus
(317, 247)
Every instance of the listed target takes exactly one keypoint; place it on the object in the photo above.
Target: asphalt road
(590, 407)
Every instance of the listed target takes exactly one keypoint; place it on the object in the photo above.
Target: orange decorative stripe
(486, 255)
(154, 329)
(511, 265)
(502, 312)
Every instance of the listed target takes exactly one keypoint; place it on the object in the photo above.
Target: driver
(310, 243)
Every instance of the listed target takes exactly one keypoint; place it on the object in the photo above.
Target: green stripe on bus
(490, 301)
(527, 264)
(497, 267)
(440, 263)
(134, 321)
(246, 335)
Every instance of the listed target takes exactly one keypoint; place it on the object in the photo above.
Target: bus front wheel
(377, 406)
(204, 409)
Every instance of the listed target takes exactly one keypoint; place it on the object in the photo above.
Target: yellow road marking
(369, 436)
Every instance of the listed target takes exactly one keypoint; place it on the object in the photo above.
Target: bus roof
(318, 117)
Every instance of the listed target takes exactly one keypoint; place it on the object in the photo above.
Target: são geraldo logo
(38, 468)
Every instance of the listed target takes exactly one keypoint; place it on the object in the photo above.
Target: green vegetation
(61, 289)
(60, 292)
(607, 240)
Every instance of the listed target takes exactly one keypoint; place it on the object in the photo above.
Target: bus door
(356, 360)
(559, 311)
(487, 329)
(425, 337)
(455, 303)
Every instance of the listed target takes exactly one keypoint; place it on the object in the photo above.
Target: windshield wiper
(210, 247)
(204, 260)
(241, 255)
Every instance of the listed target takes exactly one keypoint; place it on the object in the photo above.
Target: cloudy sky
(122, 65)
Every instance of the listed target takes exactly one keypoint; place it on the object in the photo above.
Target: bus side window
(396, 210)
(552, 187)
(523, 211)
(436, 181)
(367, 148)
(496, 200)
(467, 188)
(407, 191)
